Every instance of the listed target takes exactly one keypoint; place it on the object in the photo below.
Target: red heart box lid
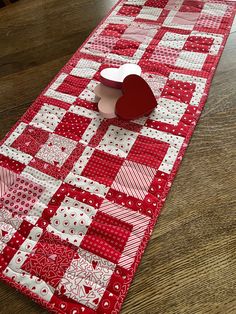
(137, 100)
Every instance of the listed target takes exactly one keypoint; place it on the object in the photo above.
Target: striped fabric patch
(134, 179)
(7, 178)
(139, 223)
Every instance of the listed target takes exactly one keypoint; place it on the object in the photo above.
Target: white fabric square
(85, 68)
(168, 111)
(156, 82)
(87, 278)
(117, 141)
(181, 20)
(71, 220)
(86, 184)
(191, 60)
(119, 19)
(149, 13)
(174, 5)
(48, 117)
(173, 40)
(135, 2)
(216, 9)
(56, 150)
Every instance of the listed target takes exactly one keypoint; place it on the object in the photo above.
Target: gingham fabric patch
(79, 194)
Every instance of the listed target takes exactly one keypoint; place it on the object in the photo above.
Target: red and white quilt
(79, 194)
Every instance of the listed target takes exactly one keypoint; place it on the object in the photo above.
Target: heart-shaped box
(137, 100)
(114, 77)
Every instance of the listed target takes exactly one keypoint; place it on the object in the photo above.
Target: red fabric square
(51, 258)
(125, 47)
(198, 44)
(106, 237)
(73, 85)
(30, 140)
(117, 280)
(156, 4)
(130, 10)
(158, 184)
(6, 256)
(179, 91)
(114, 30)
(102, 167)
(209, 63)
(73, 126)
(148, 151)
(11, 164)
(107, 303)
(191, 6)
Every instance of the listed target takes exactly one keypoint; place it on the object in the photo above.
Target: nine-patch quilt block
(79, 194)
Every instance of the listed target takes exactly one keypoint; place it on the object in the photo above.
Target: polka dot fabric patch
(21, 196)
(102, 172)
(125, 47)
(72, 126)
(165, 55)
(155, 4)
(129, 10)
(80, 194)
(198, 44)
(148, 151)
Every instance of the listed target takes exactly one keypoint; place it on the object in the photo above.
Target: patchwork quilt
(79, 194)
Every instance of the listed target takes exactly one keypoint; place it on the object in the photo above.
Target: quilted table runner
(79, 194)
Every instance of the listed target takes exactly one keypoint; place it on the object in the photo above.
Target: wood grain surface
(189, 266)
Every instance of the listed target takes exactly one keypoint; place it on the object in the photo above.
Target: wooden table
(189, 266)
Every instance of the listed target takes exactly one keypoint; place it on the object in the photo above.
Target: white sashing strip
(85, 68)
